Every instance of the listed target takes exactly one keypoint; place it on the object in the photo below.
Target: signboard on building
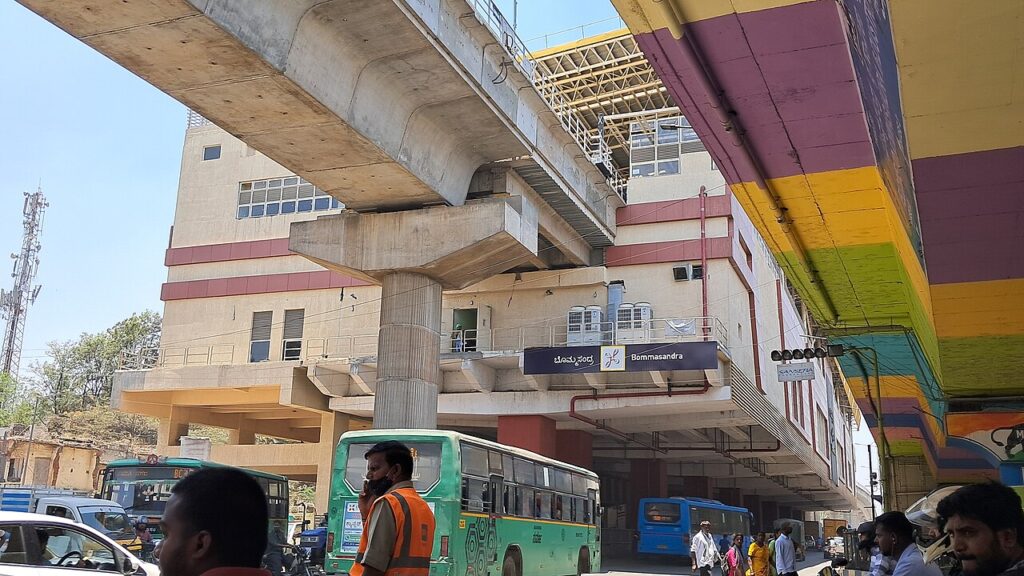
(621, 358)
(794, 372)
(194, 447)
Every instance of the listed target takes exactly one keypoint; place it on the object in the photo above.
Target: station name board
(621, 358)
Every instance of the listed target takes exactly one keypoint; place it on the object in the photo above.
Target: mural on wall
(998, 437)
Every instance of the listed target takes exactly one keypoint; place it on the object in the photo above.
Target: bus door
(592, 515)
(662, 527)
(496, 509)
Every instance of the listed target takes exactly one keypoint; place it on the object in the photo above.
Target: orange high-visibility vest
(414, 540)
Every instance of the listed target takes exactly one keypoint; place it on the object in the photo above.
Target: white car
(39, 545)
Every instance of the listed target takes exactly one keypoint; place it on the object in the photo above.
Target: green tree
(56, 378)
(15, 408)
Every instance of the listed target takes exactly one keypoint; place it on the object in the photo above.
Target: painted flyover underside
(860, 188)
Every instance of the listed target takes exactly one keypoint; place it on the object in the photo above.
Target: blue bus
(667, 524)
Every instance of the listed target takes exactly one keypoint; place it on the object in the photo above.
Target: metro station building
(262, 341)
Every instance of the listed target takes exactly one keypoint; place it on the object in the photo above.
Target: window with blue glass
(274, 196)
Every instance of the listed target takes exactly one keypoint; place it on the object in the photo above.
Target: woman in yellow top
(758, 554)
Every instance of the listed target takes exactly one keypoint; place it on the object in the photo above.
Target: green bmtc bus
(143, 486)
(500, 510)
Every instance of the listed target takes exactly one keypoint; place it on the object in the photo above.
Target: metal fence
(509, 340)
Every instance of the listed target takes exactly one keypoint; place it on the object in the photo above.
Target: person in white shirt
(785, 553)
(895, 537)
(704, 550)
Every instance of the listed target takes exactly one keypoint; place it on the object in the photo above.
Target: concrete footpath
(648, 567)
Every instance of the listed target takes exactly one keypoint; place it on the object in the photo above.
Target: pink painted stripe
(673, 210)
(971, 208)
(202, 254)
(674, 251)
(264, 284)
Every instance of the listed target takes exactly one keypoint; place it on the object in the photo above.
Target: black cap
(866, 528)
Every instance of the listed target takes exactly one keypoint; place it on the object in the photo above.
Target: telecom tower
(14, 304)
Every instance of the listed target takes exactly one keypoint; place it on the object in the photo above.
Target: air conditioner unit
(633, 323)
(682, 272)
(584, 326)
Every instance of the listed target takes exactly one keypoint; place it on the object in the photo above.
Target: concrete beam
(596, 380)
(659, 379)
(301, 392)
(364, 378)
(455, 246)
(330, 382)
(479, 374)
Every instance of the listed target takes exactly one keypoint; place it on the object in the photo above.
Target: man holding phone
(398, 526)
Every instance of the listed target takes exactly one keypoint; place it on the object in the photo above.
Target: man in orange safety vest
(398, 526)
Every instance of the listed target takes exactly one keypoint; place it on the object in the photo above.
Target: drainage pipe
(602, 426)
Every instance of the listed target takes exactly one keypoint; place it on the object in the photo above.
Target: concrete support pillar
(332, 426)
(408, 348)
(647, 479)
(244, 434)
(172, 428)
(534, 433)
(699, 486)
(575, 447)
(752, 502)
(769, 513)
(729, 496)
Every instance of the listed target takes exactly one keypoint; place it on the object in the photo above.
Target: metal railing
(196, 120)
(576, 33)
(509, 340)
(488, 14)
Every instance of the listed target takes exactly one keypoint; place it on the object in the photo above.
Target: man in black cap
(866, 546)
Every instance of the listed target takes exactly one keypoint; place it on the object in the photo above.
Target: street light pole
(871, 482)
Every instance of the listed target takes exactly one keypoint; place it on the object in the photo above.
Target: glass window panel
(273, 209)
(259, 351)
(287, 207)
(322, 204)
(474, 460)
(335, 203)
(523, 471)
(642, 139)
(642, 170)
(211, 152)
(244, 197)
(668, 133)
(288, 193)
(257, 211)
(494, 462)
(303, 180)
(246, 186)
(689, 135)
(670, 167)
(259, 196)
(274, 184)
(260, 184)
(306, 191)
(291, 181)
(243, 212)
(273, 195)
(305, 205)
(319, 192)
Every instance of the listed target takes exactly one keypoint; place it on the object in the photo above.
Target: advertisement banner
(621, 358)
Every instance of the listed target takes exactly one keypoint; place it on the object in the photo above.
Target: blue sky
(107, 148)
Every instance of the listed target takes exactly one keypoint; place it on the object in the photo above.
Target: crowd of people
(984, 525)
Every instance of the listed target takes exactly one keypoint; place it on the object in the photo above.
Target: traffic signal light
(799, 354)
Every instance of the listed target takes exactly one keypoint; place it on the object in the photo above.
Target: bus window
(563, 481)
(426, 465)
(474, 494)
(543, 505)
(662, 512)
(524, 472)
(508, 500)
(494, 463)
(474, 460)
(524, 502)
(579, 485)
(557, 508)
(543, 476)
(506, 465)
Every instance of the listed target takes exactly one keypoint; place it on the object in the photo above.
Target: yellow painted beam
(970, 309)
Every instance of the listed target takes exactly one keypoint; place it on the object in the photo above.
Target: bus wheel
(583, 564)
(509, 567)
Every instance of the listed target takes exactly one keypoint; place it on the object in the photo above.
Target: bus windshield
(662, 512)
(426, 469)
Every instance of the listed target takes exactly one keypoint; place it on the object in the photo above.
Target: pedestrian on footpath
(785, 552)
(215, 524)
(704, 550)
(985, 525)
(895, 537)
(758, 554)
(736, 557)
(771, 552)
(398, 526)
